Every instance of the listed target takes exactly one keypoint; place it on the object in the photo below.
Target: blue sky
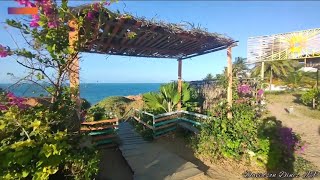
(239, 20)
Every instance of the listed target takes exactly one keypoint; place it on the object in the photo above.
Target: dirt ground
(303, 120)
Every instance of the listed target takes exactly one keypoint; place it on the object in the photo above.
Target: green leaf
(25, 173)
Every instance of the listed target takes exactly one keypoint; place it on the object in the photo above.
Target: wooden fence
(103, 132)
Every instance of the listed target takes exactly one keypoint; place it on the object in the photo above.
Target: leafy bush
(97, 113)
(229, 138)
(37, 142)
(145, 132)
(118, 105)
(308, 96)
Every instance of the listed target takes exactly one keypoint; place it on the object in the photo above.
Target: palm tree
(294, 79)
(168, 98)
(209, 77)
(239, 67)
(274, 69)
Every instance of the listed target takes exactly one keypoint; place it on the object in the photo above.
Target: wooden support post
(305, 62)
(317, 84)
(229, 71)
(74, 65)
(179, 83)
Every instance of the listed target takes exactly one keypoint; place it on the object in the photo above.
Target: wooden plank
(166, 122)
(166, 118)
(161, 41)
(195, 114)
(165, 126)
(101, 122)
(190, 121)
(189, 127)
(97, 128)
(147, 125)
(165, 131)
(115, 30)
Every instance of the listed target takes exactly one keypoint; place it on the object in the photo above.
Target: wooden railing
(103, 132)
(167, 122)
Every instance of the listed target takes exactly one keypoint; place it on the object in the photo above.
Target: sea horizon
(92, 92)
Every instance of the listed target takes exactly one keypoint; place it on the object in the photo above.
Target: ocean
(93, 92)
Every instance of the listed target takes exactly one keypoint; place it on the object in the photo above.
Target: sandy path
(306, 126)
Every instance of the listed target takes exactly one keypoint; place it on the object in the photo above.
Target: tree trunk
(270, 83)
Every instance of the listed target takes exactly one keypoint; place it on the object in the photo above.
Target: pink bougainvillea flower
(36, 17)
(96, 6)
(260, 92)
(30, 4)
(3, 51)
(90, 15)
(3, 107)
(52, 24)
(244, 89)
(35, 21)
(10, 95)
(23, 2)
(34, 24)
(107, 3)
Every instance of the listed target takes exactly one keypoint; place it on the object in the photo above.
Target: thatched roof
(152, 39)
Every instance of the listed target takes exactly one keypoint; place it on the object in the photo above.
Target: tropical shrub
(37, 142)
(308, 96)
(168, 98)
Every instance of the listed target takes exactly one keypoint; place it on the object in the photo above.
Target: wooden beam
(74, 65)
(97, 128)
(101, 121)
(229, 71)
(179, 83)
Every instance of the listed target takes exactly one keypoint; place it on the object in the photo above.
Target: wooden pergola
(151, 39)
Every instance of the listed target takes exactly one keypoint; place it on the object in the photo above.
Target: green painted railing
(103, 132)
(167, 122)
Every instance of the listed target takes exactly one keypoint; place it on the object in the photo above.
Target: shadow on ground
(113, 166)
(177, 144)
(281, 151)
